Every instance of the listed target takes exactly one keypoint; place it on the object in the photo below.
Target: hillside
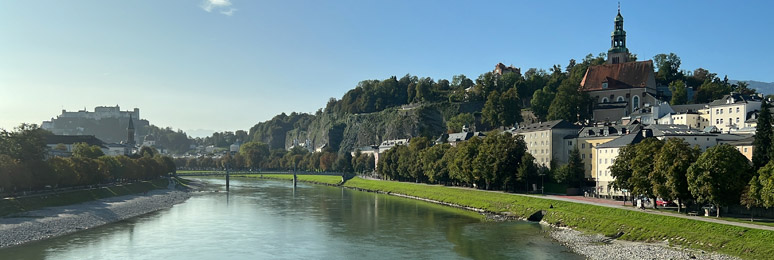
(765, 88)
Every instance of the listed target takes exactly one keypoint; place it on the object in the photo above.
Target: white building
(730, 112)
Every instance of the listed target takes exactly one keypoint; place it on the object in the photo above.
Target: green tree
(83, 150)
(642, 167)
(719, 176)
(498, 160)
(679, 93)
(762, 144)
(344, 163)
(527, 171)
(255, 153)
(502, 110)
(621, 170)
(433, 164)
(760, 189)
(461, 169)
(572, 173)
(541, 102)
(455, 124)
(669, 179)
(668, 66)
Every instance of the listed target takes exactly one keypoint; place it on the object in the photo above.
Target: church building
(620, 86)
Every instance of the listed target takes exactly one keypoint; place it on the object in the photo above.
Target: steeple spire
(618, 53)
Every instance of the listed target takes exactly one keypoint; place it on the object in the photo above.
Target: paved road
(619, 204)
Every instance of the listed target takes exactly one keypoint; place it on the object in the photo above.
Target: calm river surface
(263, 219)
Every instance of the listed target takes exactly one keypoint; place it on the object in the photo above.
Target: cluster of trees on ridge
(721, 176)
(550, 95)
(258, 156)
(24, 165)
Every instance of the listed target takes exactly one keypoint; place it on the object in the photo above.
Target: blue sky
(228, 64)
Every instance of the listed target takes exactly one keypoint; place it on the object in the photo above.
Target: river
(265, 219)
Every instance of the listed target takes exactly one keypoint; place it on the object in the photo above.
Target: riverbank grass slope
(18, 205)
(629, 225)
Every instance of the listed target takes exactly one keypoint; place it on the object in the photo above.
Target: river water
(264, 219)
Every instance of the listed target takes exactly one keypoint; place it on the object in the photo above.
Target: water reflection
(261, 219)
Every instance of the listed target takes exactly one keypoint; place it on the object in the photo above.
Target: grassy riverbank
(635, 226)
(18, 205)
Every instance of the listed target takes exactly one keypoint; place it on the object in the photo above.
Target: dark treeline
(258, 156)
(24, 165)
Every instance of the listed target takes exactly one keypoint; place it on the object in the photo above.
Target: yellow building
(590, 137)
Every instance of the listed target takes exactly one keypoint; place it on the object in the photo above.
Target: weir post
(295, 179)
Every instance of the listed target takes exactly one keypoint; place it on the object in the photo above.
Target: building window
(604, 85)
(583, 156)
(721, 111)
(717, 111)
(745, 149)
(635, 102)
(737, 120)
(737, 110)
(590, 155)
(620, 99)
(729, 110)
(583, 146)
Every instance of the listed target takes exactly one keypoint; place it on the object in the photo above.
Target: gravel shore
(57, 221)
(601, 247)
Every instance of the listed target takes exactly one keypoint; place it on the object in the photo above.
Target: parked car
(665, 203)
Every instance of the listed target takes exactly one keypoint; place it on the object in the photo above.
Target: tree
(669, 172)
(573, 172)
(642, 167)
(83, 150)
(433, 164)
(456, 123)
(621, 170)
(344, 163)
(461, 168)
(498, 159)
(668, 66)
(719, 176)
(679, 93)
(255, 153)
(502, 110)
(760, 190)
(762, 144)
(541, 102)
(527, 171)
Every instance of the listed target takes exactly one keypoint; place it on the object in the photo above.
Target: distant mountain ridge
(765, 88)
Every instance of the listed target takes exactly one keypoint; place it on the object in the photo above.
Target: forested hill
(412, 106)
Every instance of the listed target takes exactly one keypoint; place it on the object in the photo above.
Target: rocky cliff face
(347, 132)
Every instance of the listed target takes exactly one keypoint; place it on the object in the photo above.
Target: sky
(225, 65)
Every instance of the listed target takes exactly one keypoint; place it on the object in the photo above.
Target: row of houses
(552, 142)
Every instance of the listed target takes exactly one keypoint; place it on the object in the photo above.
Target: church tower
(130, 132)
(618, 52)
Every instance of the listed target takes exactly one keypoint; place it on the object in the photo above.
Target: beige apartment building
(547, 141)
(606, 155)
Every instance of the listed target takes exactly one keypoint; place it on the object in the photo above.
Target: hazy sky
(228, 64)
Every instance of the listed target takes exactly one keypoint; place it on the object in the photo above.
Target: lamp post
(542, 184)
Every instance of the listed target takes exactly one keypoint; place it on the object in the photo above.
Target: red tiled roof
(623, 75)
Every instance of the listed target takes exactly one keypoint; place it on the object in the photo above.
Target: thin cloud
(219, 5)
(230, 11)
